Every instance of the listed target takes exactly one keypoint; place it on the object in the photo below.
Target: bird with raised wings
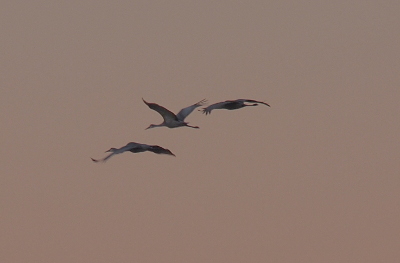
(172, 120)
(232, 105)
(135, 148)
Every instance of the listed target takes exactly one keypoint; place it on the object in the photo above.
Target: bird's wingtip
(204, 111)
(203, 101)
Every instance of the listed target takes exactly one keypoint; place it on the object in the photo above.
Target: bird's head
(151, 126)
(111, 150)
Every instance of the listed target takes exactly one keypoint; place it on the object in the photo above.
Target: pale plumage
(170, 119)
(232, 105)
(135, 148)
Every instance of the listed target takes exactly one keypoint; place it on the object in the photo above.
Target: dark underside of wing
(233, 105)
(137, 150)
(160, 150)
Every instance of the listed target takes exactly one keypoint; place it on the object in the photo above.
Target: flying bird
(232, 105)
(135, 148)
(170, 119)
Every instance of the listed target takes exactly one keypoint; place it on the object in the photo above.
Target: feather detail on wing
(165, 113)
(183, 113)
(218, 105)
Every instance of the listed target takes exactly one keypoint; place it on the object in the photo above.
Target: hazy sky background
(314, 178)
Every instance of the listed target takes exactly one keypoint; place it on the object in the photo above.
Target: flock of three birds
(172, 120)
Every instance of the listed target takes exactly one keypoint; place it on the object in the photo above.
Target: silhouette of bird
(231, 105)
(170, 119)
(135, 148)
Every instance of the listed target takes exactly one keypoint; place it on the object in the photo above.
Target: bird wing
(254, 101)
(166, 114)
(132, 147)
(183, 113)
(218, 105)
(159, 150)
(139, 147)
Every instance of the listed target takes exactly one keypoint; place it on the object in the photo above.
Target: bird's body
(135, 148)
(172, 120)
(232, 105)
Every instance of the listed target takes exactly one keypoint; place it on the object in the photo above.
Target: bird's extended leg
(194, 127)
